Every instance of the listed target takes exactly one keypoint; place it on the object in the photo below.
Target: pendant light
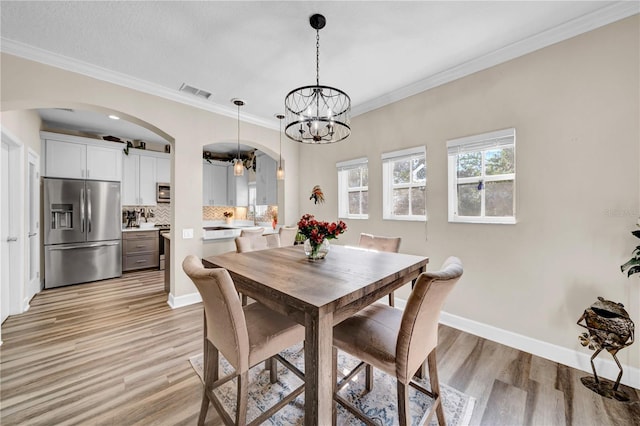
(280, 171)
(238, 169)
(317, 114)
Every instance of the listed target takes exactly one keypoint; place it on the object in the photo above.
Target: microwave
(163, 193)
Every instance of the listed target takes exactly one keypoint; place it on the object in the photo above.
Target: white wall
(575, 107)
(27, 85)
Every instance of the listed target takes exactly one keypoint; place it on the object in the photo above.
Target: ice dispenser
(61, 216)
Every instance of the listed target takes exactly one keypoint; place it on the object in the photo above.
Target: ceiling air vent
(195, 91)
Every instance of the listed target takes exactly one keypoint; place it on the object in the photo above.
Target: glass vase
(316, 251)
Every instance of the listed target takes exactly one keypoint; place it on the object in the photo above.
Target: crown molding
(601, 17)
(36, 54)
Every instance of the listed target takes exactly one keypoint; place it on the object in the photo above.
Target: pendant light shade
(238, 169)
(280, 171)
(317, 114)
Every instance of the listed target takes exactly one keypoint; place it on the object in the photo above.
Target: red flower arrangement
(317, 231)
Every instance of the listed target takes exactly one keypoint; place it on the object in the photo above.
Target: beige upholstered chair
(398, 342)
(253, 242)
(252, 232)
(288, 235)
(376, 242)
(245, 336)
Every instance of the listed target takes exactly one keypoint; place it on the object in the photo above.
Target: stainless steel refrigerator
(82, 231)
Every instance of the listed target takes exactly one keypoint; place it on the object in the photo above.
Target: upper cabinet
(266, 182)
(214, 184)
(237, 188)
(163, 170)
(142, 170)
(81, 158)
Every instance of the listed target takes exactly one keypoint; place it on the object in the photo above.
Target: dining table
(318, 294)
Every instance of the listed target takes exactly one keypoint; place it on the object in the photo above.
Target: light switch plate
(187, 234)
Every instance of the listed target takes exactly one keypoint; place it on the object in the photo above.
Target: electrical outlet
(187, 234)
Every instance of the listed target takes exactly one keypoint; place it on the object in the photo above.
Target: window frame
(343, 168)
(480, 143)
(387, 183)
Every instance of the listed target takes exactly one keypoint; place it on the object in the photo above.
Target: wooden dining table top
(318, 294)
(345, 275)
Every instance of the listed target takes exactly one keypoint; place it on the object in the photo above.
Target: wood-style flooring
(114, 353)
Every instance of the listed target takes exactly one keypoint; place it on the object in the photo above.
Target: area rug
(379, 404)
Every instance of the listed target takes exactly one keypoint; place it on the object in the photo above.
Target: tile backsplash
(262, 214)
(161, 213)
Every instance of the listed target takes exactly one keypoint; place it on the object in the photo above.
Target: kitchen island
(218, 237)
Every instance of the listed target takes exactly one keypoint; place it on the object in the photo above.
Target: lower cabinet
(140, 250)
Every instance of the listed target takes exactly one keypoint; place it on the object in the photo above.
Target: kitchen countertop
(155, 228)
(230, 231)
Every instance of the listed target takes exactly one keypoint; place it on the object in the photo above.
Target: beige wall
(27, 85)
(575, 107)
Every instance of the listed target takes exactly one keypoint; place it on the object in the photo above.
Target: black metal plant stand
(610, 328)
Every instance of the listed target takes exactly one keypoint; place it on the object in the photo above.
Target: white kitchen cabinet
(237, 188)
(81, 158)
(163, 170)
(214, 184)
(139, 180)
(266, 182)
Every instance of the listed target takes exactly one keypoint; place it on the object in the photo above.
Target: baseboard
(185, 300)
(579, 360)
(606, 368)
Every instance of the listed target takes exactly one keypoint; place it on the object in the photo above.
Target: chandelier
(238, 170)
(317, 114)
(280, 171)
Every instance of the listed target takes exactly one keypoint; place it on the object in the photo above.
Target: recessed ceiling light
(114, 117)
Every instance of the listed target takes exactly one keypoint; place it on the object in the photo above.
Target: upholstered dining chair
(398, 342)
(245, 336)
(252, 232)
(288, 235)
(377, 242)
(262, 242)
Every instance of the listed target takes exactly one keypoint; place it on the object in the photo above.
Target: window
(353, 189)
(404, 176)
(482, 178)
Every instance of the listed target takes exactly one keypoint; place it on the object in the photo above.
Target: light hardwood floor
(115, 353)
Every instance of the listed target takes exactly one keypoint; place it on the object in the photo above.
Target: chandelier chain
(317, 57)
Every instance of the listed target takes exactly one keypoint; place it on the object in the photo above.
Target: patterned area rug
(379, 404)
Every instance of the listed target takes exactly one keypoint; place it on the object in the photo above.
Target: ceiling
(376, 51)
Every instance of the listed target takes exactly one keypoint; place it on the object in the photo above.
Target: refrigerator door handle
(89, 207)
(80, 246)
(82, 209)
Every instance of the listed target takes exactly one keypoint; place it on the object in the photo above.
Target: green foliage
(633, 265)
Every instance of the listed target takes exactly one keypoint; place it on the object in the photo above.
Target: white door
(10, 244)
(33, 224)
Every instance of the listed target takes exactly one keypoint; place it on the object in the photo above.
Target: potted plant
(228, 217)
(634, 263)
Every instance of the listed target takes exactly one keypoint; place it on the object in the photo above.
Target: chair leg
(272, 365)
(403, 404)
(435, 387)
(334, 381)
(392, 299)
(210, 373)
(368, 381)
(242, 399)
(204, 407)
